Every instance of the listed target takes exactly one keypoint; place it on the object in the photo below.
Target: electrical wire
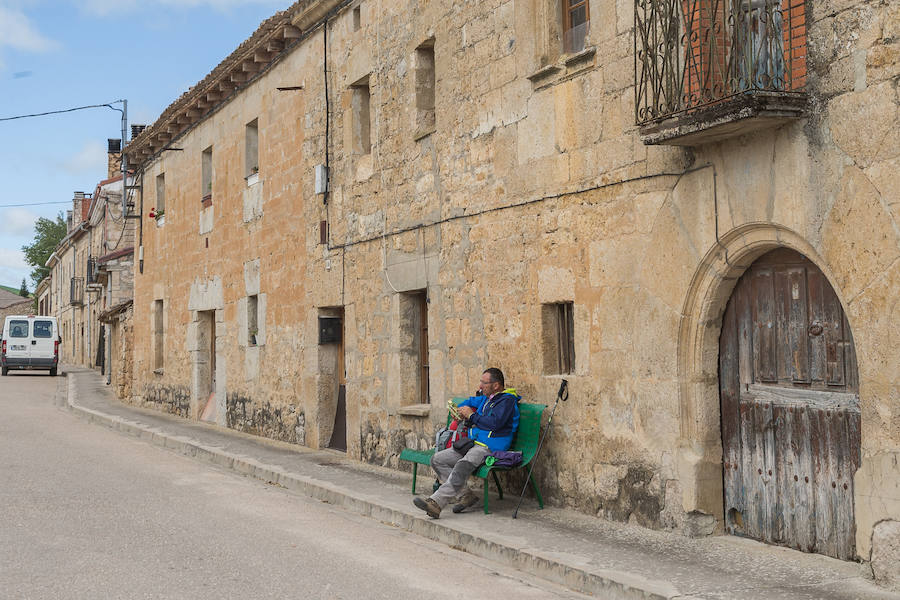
(66, 110)
(34, 204)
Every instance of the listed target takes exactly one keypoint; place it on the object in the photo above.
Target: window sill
(159, 371)
(252, 179)
(424, 133)
(567, 66)
(415, 410)
(206, 201)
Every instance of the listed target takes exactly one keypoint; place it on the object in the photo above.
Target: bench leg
(486, 511)
(497, 481)
(415, 468)
(537, 492)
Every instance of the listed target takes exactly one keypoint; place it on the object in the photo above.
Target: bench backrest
(529, 432)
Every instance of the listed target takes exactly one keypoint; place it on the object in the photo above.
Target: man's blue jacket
(496, 419)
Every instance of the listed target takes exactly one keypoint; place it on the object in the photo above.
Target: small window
(357, 18)
(558, 339)
(160, 192)
(158, 335)
(251, 152)
(576, 19)
(252, 319)
(424, 74)
(18, 329)
(414, 353)
(362, 120)
(43, 329)
(207, 175)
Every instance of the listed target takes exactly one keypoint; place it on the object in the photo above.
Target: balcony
(76, 291)
(708, 70)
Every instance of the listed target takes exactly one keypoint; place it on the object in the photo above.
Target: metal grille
(691, 54)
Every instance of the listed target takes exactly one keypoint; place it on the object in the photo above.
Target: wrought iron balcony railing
(694, 54)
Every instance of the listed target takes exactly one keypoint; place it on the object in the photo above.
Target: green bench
(526, 442)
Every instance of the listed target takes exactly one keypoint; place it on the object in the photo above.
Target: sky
(60, 55)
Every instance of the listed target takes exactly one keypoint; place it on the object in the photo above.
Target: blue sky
(58, 55)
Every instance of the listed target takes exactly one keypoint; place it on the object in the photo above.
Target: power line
(33, 204)
(67, 110)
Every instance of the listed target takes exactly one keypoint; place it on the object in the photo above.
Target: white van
(29, 342)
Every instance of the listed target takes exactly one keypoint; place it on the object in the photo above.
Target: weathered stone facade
(533, 189)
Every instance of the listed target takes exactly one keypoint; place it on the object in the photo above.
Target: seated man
(492, 418)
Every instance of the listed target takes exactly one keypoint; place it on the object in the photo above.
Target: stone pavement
(590, 555)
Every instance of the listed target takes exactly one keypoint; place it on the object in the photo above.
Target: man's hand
(466, 411)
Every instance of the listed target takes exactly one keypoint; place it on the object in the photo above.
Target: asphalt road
(89, 513)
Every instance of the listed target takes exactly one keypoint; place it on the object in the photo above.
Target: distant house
(14, 304)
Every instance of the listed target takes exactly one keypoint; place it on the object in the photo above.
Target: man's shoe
(429, 506)
(468, 500)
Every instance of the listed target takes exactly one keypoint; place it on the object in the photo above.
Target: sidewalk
(609, 560)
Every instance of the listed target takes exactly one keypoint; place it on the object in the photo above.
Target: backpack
(445, 436)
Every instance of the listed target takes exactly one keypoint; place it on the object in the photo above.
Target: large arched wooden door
(790, 410)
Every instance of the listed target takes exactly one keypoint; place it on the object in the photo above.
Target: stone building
(91, 279)
(14, 304)
(636, 203)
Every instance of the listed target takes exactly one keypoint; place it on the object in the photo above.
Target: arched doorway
(788, 387)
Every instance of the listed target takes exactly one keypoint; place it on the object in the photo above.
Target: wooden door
(790, 410)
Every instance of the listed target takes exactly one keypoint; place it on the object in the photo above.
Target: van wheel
(53, 372)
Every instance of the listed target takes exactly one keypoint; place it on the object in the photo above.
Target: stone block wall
(533, 189)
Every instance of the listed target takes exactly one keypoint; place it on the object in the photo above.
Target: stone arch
(700, 447)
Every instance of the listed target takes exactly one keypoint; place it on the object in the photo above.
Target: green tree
(47, 235)
(23, 291)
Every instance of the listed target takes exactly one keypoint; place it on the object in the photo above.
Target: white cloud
(17, 221)
(17, 32)
(90, 160)
(12, 259)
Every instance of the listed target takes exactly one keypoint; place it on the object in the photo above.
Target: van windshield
(43, 329)
(18, 329)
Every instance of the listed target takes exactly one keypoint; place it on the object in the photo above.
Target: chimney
(113, 157)
(136, 130)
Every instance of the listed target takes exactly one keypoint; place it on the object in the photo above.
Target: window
(558, 338)
(18, 329)
(160, 193)
(252, 319)
(576, 19)
(357, 18)
(158, 335)
(361, 118)
(43, 329)
(424, 74)
(251, 152)
(414, 346)
(207, 175)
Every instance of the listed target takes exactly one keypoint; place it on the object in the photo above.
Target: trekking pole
(562, 394)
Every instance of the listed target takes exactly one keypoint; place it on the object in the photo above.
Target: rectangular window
(252, 319)
(361, 117)
(206, 164)
(43, 329)
(18, 329)
(414, 346)
(160, 193)
(158, 335)
(251, 152)
(576, 19)
(425, 92)
(558, 338)
(357, 18)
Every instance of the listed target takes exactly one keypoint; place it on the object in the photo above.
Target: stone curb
(605, 584)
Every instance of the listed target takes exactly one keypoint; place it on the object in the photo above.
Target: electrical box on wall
(322, 184)
(330, 330)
